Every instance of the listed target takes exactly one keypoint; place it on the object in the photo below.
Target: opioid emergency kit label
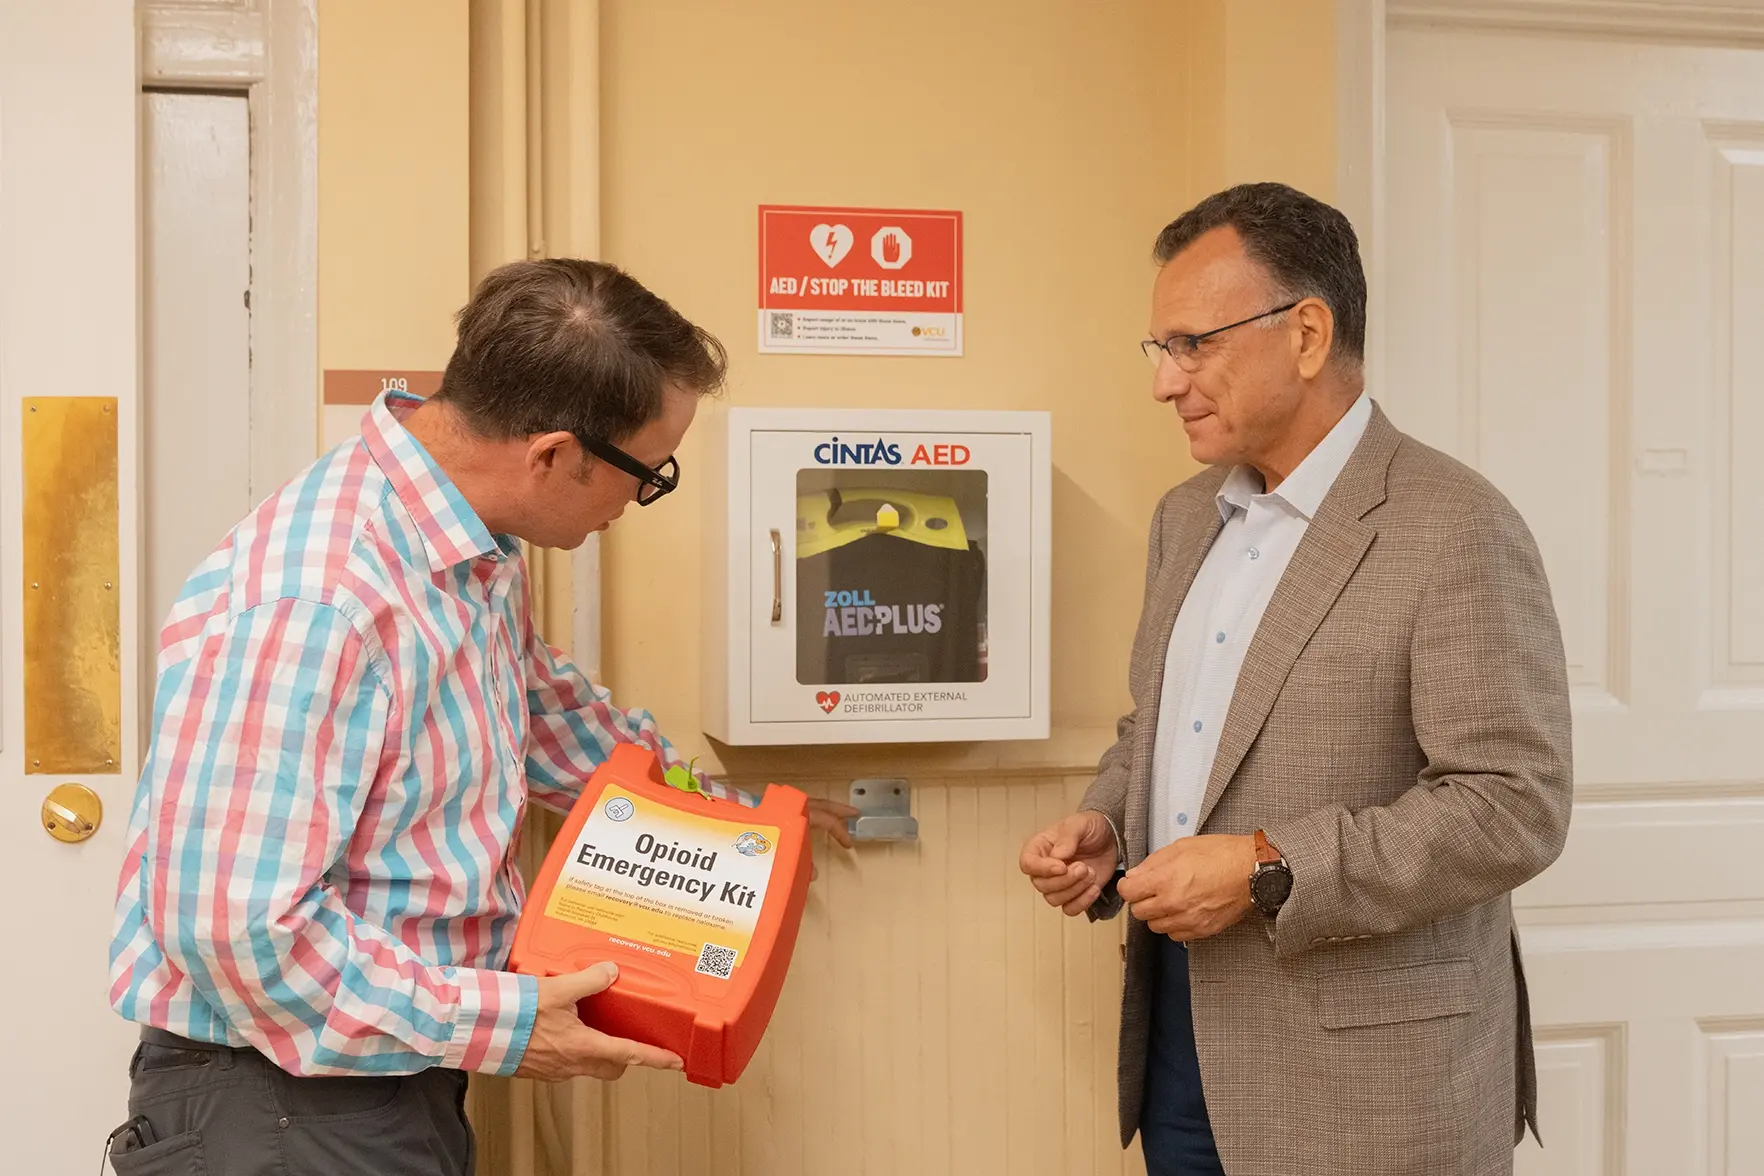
(665, 881)
(860, 281)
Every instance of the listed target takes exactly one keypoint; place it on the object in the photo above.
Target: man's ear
(1315, 335)
(550, 452)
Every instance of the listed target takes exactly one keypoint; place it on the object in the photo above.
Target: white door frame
(1360, 86)
(267, 50)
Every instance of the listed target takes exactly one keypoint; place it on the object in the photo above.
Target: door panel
(68, 300)
(196, 222)
(1576, 275)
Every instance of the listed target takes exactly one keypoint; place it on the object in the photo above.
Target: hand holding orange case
(697, 900)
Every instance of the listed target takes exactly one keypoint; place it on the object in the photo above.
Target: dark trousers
(1173, 1126)
(215, 1111)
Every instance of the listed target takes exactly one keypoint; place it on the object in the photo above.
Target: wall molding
(266, 50)
(1734, 22)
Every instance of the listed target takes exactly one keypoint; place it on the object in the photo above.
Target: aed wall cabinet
(878, 576)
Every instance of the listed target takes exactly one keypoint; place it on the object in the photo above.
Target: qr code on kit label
(783, 326)
(716, 961)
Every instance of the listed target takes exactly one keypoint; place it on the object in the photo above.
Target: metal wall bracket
(885, 811)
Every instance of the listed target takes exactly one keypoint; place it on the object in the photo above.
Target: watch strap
(1266, 854)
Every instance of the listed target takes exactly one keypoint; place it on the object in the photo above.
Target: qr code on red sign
(716, 961)
(783, 326)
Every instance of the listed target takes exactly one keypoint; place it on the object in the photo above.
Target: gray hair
(1307, 248)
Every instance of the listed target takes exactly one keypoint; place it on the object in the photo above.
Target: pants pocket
(181, 1155)
(331, 1099)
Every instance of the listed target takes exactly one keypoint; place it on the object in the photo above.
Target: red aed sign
(860, 281)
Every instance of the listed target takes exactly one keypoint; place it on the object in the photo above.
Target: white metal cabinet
(879, 576)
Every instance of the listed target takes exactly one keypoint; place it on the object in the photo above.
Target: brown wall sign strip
(349, 386)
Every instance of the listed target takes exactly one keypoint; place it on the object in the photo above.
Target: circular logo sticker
(620, 809)
(751, 844)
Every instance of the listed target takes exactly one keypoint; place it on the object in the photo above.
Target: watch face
(1270, 888)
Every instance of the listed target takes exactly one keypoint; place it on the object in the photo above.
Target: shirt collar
(450, 529)
(1305, 488)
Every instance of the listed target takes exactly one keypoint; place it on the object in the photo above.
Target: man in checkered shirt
(353, 709)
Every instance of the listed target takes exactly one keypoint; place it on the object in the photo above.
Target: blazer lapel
(1332, 548)
(1186, 550)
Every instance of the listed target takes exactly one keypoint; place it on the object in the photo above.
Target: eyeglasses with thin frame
(653, 483)
(1185, 349)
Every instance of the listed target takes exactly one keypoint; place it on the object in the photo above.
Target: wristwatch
(1271, 882)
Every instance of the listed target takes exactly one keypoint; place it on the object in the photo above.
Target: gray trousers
(215, 1111)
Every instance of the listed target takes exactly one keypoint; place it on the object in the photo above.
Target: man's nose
(1169, 381)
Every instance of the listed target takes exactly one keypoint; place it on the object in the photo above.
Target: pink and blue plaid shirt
(352, 711)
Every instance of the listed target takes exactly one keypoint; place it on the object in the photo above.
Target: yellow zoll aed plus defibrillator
(889, 588)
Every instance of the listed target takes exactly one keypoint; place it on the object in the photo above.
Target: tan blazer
(1401, 730)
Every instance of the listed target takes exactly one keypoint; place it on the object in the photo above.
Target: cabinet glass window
(890, 576)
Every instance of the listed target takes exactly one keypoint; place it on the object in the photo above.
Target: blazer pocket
(1389, 996)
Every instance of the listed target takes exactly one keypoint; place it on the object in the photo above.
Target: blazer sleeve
(1107, 794)
(1490, 808)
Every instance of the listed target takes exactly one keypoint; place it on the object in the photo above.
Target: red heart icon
(829, 700)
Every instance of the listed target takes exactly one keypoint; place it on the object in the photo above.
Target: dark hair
(572, 345)
(1308, 249)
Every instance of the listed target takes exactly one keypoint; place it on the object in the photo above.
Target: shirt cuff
(1120, 844)
(494, 1021)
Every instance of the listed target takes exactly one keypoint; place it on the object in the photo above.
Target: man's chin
(1204, 442)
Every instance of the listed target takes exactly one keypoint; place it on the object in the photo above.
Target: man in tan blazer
(1349, 743)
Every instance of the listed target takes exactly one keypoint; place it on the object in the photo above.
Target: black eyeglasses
(652, 483)
(1185, 349)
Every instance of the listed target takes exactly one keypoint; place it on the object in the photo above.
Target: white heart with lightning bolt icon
(831, 243)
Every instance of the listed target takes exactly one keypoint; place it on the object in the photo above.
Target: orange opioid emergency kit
(697, 900)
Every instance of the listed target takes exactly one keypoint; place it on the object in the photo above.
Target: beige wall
(937, 1019)
(1055, 127)
(1261, 98)
(392, 183)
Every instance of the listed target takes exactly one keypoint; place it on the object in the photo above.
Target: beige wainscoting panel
(938, 1021)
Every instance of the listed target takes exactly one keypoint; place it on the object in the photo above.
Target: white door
(68, 330)
(196, 320)
(1576, 307)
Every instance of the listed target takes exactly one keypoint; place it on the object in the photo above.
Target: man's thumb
(1065, 846)
(575, 986)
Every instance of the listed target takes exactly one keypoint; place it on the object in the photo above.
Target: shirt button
(283, 1122)
(1197, 725)
(1182, 818)
(1219, 637)
(1254, 553)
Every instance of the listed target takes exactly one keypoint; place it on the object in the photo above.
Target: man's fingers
(1083, 902)
(1064, 895)
(1135, 887)
(1068, 876)
(1033, 860)
(574, 986)
(1155, 907)
(831, 817)
(634, 1053)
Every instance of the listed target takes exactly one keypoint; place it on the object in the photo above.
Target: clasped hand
(1191, 889)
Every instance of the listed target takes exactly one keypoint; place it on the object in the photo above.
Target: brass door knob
(72, 812)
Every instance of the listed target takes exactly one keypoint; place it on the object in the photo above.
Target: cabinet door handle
(777, 576)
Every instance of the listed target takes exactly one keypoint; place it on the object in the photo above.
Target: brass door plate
(72, 812)
(72, 614)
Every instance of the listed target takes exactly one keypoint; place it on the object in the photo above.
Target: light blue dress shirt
(1221, 613)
